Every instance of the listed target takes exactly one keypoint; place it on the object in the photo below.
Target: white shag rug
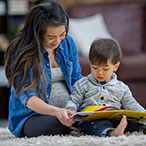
(134, 139)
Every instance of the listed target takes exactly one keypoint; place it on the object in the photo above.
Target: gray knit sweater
(87, 92)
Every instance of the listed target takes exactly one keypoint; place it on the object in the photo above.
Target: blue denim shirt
(67, 59)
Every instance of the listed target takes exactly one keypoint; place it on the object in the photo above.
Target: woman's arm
(39, 106)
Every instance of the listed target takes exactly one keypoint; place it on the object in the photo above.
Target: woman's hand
(39, 106)
(64, 116)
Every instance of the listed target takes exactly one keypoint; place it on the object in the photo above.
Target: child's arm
(76, 98)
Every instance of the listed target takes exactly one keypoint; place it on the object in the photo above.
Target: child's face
(104, 72)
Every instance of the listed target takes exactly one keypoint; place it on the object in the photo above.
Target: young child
(102, 87)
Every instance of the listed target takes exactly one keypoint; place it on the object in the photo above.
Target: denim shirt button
(58, 60)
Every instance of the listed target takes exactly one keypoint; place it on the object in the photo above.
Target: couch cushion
(124, 21)
(3, 79)
(132, 67)
(85, 65)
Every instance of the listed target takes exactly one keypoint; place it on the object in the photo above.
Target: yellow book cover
(110, 113)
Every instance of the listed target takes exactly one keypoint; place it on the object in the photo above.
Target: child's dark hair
(103, 49)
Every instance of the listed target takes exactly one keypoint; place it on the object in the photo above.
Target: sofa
(126, 22)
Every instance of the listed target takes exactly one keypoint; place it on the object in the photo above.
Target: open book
(110, 113)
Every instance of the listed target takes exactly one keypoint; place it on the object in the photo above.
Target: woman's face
(53, 36)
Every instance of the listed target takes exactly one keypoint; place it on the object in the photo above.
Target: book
(110, 113)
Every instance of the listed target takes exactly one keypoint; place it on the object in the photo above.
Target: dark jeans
(100, 127)
(43, 125)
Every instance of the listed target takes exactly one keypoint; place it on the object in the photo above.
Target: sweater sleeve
(129, 102)
(76, 98)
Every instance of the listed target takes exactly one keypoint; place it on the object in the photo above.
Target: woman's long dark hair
(24, 51)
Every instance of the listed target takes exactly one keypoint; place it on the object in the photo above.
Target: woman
(42, 65)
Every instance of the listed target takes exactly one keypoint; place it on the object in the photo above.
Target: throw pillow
(85, 30)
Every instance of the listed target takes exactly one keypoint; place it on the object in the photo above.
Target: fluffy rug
(134, 139)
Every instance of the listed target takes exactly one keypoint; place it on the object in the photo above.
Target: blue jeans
(101, 127)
